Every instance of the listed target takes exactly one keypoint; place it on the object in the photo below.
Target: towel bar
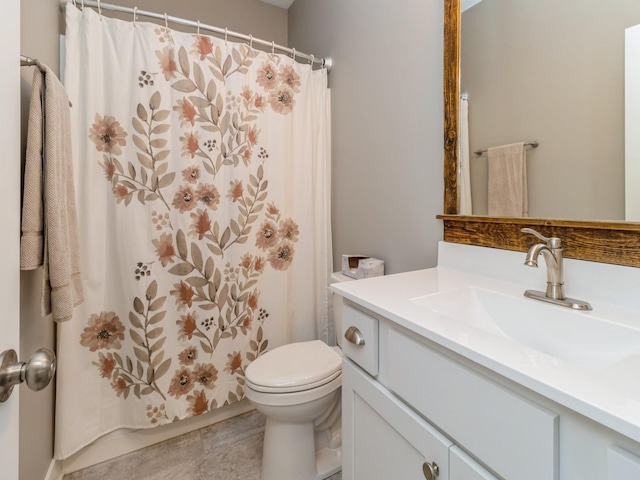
(533, 144)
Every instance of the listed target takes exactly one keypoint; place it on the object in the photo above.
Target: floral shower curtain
(202, 178)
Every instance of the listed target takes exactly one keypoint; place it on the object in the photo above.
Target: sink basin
(581, 339)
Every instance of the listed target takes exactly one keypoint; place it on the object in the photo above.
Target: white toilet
(297, 387)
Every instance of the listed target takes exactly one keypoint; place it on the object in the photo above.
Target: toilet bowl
(297, 387)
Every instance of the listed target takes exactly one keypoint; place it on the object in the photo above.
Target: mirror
(609, 242)
(552, 72)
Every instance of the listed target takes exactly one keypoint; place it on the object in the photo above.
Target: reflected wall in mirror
(632, 123)
(553, 72)
(608, 242)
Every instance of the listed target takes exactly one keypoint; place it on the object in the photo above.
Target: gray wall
(387, 152)
(553, 72)
(41, 24)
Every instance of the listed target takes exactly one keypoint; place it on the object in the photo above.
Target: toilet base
(299, 464)
(303, 434)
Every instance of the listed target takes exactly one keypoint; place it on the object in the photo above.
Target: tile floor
(229, 450)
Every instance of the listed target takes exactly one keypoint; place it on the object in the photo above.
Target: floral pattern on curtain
(202, 187)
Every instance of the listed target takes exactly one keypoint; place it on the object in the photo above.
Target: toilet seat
(294, 368)
(291, 399)
(299, 388)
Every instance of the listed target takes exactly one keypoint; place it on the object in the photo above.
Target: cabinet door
(622, 465)
(382, 438)
(517, 438)
(463, 467)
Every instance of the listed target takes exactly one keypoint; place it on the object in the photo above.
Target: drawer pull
(430, 470)
(354, 336)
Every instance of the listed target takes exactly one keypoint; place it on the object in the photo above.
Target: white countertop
(609, 395)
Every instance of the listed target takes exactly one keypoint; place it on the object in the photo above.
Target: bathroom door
(9, 221)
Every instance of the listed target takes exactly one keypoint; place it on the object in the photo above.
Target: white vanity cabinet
(383, 437)
(511, 388)
(515, 437)
(407, 402)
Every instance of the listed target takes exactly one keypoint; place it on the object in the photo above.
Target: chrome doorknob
(37, 372)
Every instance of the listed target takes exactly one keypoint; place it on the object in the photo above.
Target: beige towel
(507, 180)
(49, 223)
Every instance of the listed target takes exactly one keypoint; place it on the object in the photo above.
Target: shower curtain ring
(135, 15)
(294, 55)
(99, 10)
(82, 5)
(273, 47)
(198, 31)
(250, 42)
(166, 21)
(226, 35)
(313, 59)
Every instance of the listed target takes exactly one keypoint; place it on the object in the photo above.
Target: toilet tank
(338, 277)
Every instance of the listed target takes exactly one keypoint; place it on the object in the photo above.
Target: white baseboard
(55, 470)
(122, 442)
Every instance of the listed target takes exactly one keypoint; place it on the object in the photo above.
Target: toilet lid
(295, 367)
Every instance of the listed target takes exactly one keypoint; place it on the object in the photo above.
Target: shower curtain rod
(326, 62)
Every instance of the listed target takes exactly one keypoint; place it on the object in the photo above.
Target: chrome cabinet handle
(37, 372)
(430, 470)
(354, 336)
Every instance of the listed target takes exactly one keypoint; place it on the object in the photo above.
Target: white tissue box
(359, 266)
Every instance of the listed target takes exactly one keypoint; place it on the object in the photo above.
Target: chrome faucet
(551, 251)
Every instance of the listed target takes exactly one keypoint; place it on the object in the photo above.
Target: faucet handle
(552, 242)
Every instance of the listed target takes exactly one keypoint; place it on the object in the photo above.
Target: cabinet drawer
(514, 437)
(365, 355)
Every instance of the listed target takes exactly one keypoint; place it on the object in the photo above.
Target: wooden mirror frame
(607, 242)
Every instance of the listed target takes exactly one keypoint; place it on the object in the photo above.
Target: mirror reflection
(551, 72)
